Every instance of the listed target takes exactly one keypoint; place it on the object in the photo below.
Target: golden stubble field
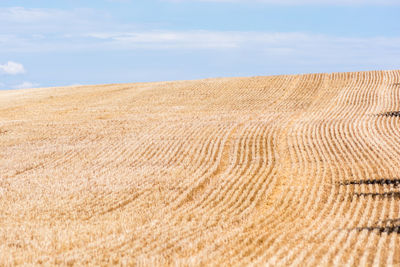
(279, 170)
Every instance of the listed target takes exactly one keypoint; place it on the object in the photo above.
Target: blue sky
(69, 42)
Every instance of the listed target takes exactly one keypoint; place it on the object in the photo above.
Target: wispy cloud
(26, 85)
(255, 41)
(303, 2)
(119, 1)
(23, 15)
(12, 68)
(257, 44)
(49, 29)
(310, 51)
(39, 21)
(170, 39)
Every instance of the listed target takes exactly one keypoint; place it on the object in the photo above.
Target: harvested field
(286, 170)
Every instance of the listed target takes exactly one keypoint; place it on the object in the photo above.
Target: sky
(45, 43)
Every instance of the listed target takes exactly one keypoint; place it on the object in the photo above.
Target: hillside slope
(286, 170)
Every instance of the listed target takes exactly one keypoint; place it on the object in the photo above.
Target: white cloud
(26, 85)
(279, 49)
(256, 41)
(50, 29)
(22, 15)
(303, 2)
(12, 68)
(171, 39)
(39, 22)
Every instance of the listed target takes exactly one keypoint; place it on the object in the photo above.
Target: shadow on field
(379, 182)
(390, 226)
(391, 194)
(395, 182)
(390, 114)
